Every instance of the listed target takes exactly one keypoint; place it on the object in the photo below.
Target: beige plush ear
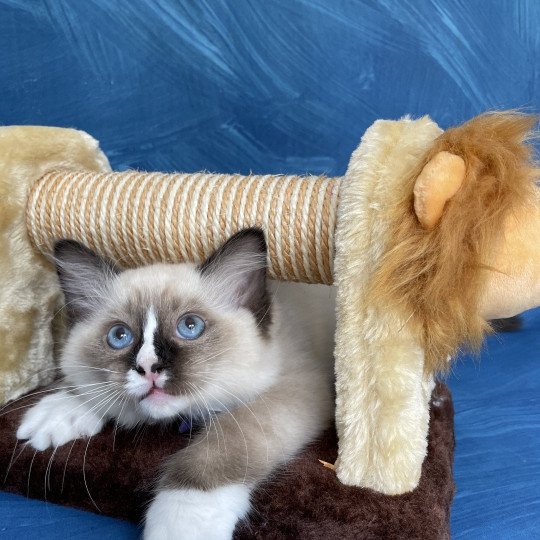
(438, 182)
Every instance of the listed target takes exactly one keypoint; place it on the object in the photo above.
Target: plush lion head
(464, 240)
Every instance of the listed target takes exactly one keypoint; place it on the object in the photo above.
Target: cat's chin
(159, 405)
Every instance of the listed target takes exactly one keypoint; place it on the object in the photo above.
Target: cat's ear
(238, 267)
(83, 276)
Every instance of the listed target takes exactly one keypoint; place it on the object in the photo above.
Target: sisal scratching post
(138, 218)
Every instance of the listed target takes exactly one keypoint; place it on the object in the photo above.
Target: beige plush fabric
(383, 394)
(29, 294)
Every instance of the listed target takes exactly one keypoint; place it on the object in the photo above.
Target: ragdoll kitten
(249, 359)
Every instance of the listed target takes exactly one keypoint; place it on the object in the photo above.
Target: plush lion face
(513, 285)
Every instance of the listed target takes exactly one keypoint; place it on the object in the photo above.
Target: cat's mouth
(155, 392)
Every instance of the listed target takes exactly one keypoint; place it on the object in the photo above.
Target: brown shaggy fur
(434, 276)
(116, 472)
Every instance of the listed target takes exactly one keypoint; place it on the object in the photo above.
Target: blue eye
(190, 327)
(119, 336)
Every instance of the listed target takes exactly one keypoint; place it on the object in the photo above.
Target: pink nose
(152, 376)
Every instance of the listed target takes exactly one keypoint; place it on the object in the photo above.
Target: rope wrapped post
(138, 218)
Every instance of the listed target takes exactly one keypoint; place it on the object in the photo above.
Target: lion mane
(434, 278)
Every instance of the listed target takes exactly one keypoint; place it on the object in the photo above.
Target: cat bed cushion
(113, 473)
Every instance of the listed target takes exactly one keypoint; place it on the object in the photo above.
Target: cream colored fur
(382, 410)
(29, 294)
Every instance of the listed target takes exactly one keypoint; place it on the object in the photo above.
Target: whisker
(66, 464)
(30, 473)
(202, 416)
(117, 393)
(243, 436)
(259, 396)
(54, 389)
(11, 460)
(124, 401)
(29, 405)
(214, 419)
(47, 479)
(97, 368)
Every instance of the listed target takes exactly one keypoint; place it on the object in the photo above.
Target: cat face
(169, 339)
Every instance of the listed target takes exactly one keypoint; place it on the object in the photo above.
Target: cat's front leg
(59, 418)
(205, 488)
(194, 514)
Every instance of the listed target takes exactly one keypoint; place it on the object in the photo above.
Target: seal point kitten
(217, 343)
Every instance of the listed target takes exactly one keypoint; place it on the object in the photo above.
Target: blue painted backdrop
(290, 86)
(268, 86)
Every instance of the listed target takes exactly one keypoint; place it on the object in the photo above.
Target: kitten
(252, 360)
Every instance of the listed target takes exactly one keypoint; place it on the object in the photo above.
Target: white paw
(57, 419)
(181, 514)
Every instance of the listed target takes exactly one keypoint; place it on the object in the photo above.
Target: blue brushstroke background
(290, 86)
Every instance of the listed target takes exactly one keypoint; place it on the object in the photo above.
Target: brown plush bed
(114, 475)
